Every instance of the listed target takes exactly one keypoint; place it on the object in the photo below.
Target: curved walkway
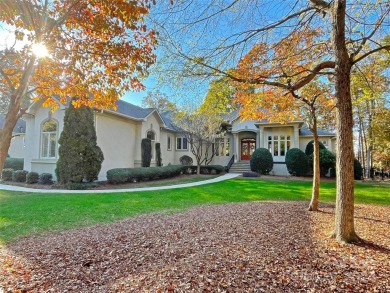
(35, 190)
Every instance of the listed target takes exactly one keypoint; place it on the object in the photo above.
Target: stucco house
(119, 134)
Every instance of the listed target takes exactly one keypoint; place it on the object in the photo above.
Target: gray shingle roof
(167, 118)
(304, 131)
(133, 111)
(20, 126)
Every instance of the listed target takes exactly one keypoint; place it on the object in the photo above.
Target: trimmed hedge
(7, 174)
(310, 147)
(123, 175)
(32, 177)
(19, 176)
(14, 163)
(261, 161)
(46, 178)
(209, 169)
(297, 162)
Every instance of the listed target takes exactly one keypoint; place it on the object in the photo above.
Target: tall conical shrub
(158, 154)
(79, 155)
(146, 152)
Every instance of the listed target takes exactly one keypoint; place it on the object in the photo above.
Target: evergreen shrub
(327, 161)
(146, 152)
(158, 155)
(19, 176)
(7, 174)
(32, 177)
(297, 162)
(358, 170)
(79, 155)
(310, 147)
(261, 161)
(186, 160)
(46, 178)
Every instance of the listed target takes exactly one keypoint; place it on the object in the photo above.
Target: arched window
(151, 135)
(49, 139)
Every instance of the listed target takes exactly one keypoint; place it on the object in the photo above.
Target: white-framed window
(278, 145)
(169, 143)
(49, 139)
(181, 143)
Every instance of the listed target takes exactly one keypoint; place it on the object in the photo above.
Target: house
(17, 147)
(119, 134)
(244, 137)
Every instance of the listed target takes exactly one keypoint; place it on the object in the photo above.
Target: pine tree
(79, 155)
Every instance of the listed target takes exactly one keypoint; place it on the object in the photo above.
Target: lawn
(23, 214)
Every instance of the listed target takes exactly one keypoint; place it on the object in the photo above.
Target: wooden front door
(248, 146)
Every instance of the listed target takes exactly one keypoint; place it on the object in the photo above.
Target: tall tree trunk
(344, 229)
(316, 165)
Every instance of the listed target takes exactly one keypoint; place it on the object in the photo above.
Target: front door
(248, 146)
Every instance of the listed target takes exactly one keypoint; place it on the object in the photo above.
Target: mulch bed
(243, 247)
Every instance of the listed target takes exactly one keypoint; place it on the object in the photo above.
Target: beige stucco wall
(17, 147)
(117, 138)
(38, 115)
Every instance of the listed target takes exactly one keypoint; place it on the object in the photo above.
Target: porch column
(236, 146)
(261, 137)
(296, 136)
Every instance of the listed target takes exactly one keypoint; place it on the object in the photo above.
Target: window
(169, 145)
(278, 145)
(181, 143)
(49, 139)
(151, 135)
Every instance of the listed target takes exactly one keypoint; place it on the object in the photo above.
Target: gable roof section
(132, 111)
(20, 126)
(167, 118)
(304, 131)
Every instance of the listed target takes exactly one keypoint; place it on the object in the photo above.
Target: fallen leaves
(251, 247)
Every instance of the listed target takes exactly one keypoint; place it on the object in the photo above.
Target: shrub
(32, 177)
(250, 174)
(146, 152)
(158, 155)
(261, 161)
(310, 147)
(46, 178)
(79, 155)
(7, 174)
(186, 160)
(80, 186)
(297, 162)
(19, 176)
(123, 175)
(327, 161)
(357, 170)
(14, 163)
(211, 169)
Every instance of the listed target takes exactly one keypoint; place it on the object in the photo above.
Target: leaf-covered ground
(244, 247)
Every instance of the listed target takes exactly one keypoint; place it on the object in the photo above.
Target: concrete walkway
(35, 190)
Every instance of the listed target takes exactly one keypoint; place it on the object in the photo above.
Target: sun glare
(40, 50)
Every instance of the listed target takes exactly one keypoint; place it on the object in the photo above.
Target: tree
(200, 131)
(97, 51)
(79, 155)
(158, 100)
(344, 37)
(369, 84)
(220, 98)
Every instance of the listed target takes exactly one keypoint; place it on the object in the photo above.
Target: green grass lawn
(23, 214)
